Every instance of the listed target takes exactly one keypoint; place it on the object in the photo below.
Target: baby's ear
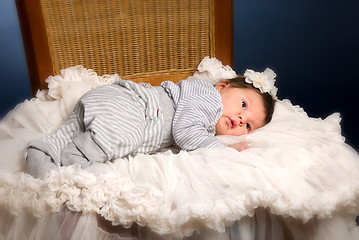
(222, 84)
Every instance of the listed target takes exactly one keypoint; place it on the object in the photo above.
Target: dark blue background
(14, 78)
(312, 45)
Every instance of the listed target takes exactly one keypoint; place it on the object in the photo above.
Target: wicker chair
(141, 40)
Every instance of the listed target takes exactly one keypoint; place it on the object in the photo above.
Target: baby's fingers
(239, 146)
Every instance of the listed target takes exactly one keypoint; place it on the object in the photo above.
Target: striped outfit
(117, 120)
(198, 107)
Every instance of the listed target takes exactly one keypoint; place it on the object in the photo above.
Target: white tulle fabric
(298, 177)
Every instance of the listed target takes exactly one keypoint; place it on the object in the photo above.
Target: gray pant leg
(115, 117)
(83, 150)
(72, 155)
(71, 128)
(43, 155)
(38, 163)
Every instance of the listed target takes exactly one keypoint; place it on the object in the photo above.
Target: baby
(125, 118)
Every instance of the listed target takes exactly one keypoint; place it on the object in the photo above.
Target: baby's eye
(244, 105)
(248, 127)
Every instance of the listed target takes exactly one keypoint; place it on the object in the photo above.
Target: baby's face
(243, 110)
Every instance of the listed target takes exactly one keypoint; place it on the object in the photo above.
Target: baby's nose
(241, 120)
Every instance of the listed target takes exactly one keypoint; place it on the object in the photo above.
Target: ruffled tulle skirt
(298, 180)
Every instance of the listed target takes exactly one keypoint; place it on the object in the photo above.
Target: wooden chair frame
(38, 53)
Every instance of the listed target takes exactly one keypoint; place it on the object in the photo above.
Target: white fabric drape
(297, 168)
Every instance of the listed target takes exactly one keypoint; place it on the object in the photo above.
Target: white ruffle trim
(296, 166)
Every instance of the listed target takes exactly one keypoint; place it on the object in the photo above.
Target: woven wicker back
(136, 39)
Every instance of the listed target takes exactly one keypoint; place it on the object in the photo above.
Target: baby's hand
(239, 146)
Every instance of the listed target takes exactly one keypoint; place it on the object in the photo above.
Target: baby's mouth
(231, 123)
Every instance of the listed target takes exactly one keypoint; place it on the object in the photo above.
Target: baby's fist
(239, 146)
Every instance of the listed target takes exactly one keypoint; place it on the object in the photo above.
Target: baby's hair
(268, 100)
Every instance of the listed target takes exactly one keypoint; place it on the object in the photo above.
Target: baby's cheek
(220, 128)
(239, 131)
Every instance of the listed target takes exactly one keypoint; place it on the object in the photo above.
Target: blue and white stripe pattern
(123, 118)
(127, 117)
(198, 107)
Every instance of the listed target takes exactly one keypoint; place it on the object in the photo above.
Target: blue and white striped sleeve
(196, 115)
